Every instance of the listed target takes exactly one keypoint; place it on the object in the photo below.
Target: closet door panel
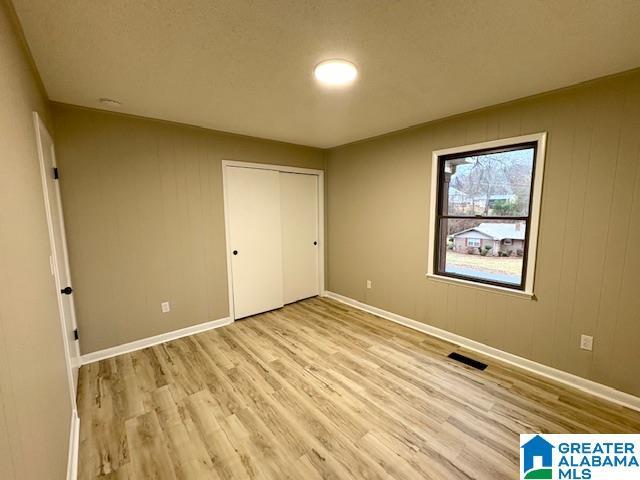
(300, 242)
(255, 236)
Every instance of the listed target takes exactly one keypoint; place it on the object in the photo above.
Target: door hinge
(56, 174)
(75, 334)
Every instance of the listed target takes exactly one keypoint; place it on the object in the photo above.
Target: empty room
(319, 239)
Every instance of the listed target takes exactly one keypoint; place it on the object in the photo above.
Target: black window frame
(439, 257)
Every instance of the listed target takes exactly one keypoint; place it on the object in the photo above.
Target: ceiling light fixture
(109, 102)
(335, 72)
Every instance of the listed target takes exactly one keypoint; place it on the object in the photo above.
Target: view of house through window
(484, 201)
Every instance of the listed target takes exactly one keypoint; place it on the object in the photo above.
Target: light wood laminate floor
(318, 390)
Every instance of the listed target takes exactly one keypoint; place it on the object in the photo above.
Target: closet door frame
(279, 168)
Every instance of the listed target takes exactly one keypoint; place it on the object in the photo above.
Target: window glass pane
(483, 250)
(491, 184)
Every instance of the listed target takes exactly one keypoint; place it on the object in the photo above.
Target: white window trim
(477, 242)
(541, 139)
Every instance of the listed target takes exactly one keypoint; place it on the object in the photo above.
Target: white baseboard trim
(151, 341)
(74, 446)
(597, 389)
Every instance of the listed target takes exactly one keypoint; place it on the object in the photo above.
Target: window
(486, 201)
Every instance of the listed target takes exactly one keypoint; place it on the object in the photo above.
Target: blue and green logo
(580, 457)
(537, 459)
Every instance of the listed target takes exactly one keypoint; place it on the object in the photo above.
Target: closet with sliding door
(273, 220)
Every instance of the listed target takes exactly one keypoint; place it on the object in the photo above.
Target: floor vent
(468, 361)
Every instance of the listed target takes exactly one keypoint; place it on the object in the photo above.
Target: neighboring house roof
(498, 231)
(504, 196)
(460, 195)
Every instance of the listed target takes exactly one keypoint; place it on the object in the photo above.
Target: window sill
(480, 286)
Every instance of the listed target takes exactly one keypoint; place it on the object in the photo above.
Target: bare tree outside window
(484, 202)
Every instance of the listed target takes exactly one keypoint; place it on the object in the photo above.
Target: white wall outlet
(165, 306)
(586, 342)
(368, 283)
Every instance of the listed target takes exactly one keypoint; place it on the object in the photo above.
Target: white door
(300, 242)
(255, 240)
(59, 260)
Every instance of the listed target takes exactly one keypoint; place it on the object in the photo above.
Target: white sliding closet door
(300, 242)
(255, 236)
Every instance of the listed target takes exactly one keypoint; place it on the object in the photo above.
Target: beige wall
(588, 268)
(35, 408)
(145, 220)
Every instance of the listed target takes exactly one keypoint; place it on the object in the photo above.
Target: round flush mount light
(110, 102)
(335, 73)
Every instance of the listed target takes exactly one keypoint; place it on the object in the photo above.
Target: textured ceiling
(246, 66)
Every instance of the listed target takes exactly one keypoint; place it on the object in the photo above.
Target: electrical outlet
(368, 283)
(165, 306)
(586, 342)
